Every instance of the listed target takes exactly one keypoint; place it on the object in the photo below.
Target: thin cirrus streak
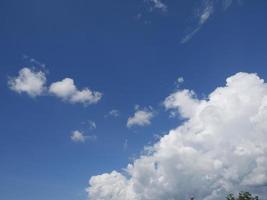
(203, 12)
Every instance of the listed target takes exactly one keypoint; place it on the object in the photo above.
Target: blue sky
(130, 51)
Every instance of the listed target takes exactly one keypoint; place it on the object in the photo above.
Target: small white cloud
(86, 96)
(33, 83)
(78, 136)
(92, 124)
(180, 79)
(157, 4)
(28, 81)
(63, 89)
(67, 91)
(113, 113)
(140, 118)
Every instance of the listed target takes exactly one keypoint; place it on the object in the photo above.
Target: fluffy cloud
(221, 147)
(34, 84)
(184, 101)
(140, 118)
(28, 81)
(78, 136)
(67, 91)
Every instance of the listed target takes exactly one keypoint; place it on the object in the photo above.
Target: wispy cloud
(227, 4)
(33, 61)
(113, 113)
(157, 4)
(203, 12)
(125, 145)
(92, 124)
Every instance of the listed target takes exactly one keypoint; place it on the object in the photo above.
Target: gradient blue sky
(131, 54)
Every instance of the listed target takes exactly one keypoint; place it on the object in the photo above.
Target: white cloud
(67, 91)
(113, 113)
(78, 136)
(184, 101)
(28, 81)
(140, 118)
(180, 80)
(203, 12)
(34, 84)
(158, 4)
(34, 62)
(63, 89)
(221, 147)
(92, 124)
(206, 12)
(190, 35)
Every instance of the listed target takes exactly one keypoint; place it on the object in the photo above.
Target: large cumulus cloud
(220, 148)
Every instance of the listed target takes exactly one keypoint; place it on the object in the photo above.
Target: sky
(132, 99)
